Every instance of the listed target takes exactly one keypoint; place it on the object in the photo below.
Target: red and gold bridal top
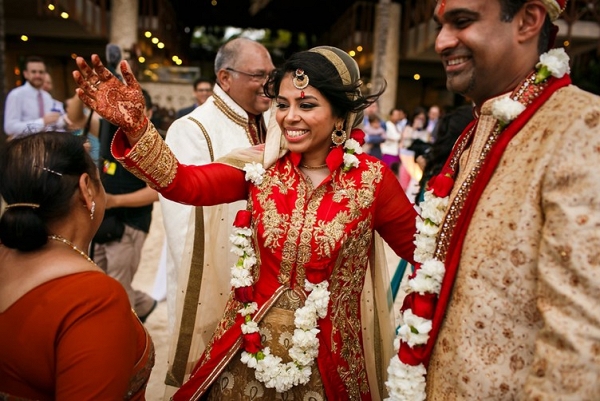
(299, 232)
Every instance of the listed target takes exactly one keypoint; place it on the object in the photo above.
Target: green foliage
(210, 39)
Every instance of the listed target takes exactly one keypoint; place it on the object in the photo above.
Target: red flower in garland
(422, 305)
(336, 156)
(442, 183)
(242, 219)
(244, 294)
(410, 355)
(252, 342)
(358, 135)
(317, 275)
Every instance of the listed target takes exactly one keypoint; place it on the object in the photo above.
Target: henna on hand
(121, 103)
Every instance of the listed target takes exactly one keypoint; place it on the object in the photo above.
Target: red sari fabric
(298, 233)
(74, 338)
(317, 235)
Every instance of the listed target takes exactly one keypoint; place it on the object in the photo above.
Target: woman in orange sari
(68, 332)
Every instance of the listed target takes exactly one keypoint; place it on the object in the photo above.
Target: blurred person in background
(120, 238)
(48, 86)
(86, 123)
(375, 135)
(203, 88)
(29, 109)
(391, 147)
(433, 117)
(410, 172)
(431, 161)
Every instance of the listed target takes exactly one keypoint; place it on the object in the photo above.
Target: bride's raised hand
(120, 103)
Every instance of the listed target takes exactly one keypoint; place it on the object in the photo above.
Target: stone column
(386, 53)
(124, 24)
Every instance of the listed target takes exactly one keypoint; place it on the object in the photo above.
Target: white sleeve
(13, 125)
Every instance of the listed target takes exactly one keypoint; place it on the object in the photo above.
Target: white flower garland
(254, 172)
(407, 382)
(351, 148)
(555, 62)
(269, 368)
(506, 109)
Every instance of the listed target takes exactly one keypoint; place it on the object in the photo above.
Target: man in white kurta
(198, 249)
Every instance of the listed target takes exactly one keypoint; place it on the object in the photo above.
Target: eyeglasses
(204, 90)
(259, 77)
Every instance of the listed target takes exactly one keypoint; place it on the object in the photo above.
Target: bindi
(441, 8)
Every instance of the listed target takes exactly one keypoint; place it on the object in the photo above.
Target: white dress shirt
(21, 112)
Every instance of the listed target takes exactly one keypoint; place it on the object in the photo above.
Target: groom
(517, 317)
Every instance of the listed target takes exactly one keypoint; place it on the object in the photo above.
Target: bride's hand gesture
(120, 103)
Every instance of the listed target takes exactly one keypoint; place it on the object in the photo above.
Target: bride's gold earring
(339, 136)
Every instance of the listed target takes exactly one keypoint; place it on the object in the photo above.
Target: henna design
(121, 103)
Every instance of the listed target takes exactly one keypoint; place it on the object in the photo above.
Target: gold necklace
(320, 166)
(69, 243)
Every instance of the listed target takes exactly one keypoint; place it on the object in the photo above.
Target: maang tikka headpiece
(300, 81)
